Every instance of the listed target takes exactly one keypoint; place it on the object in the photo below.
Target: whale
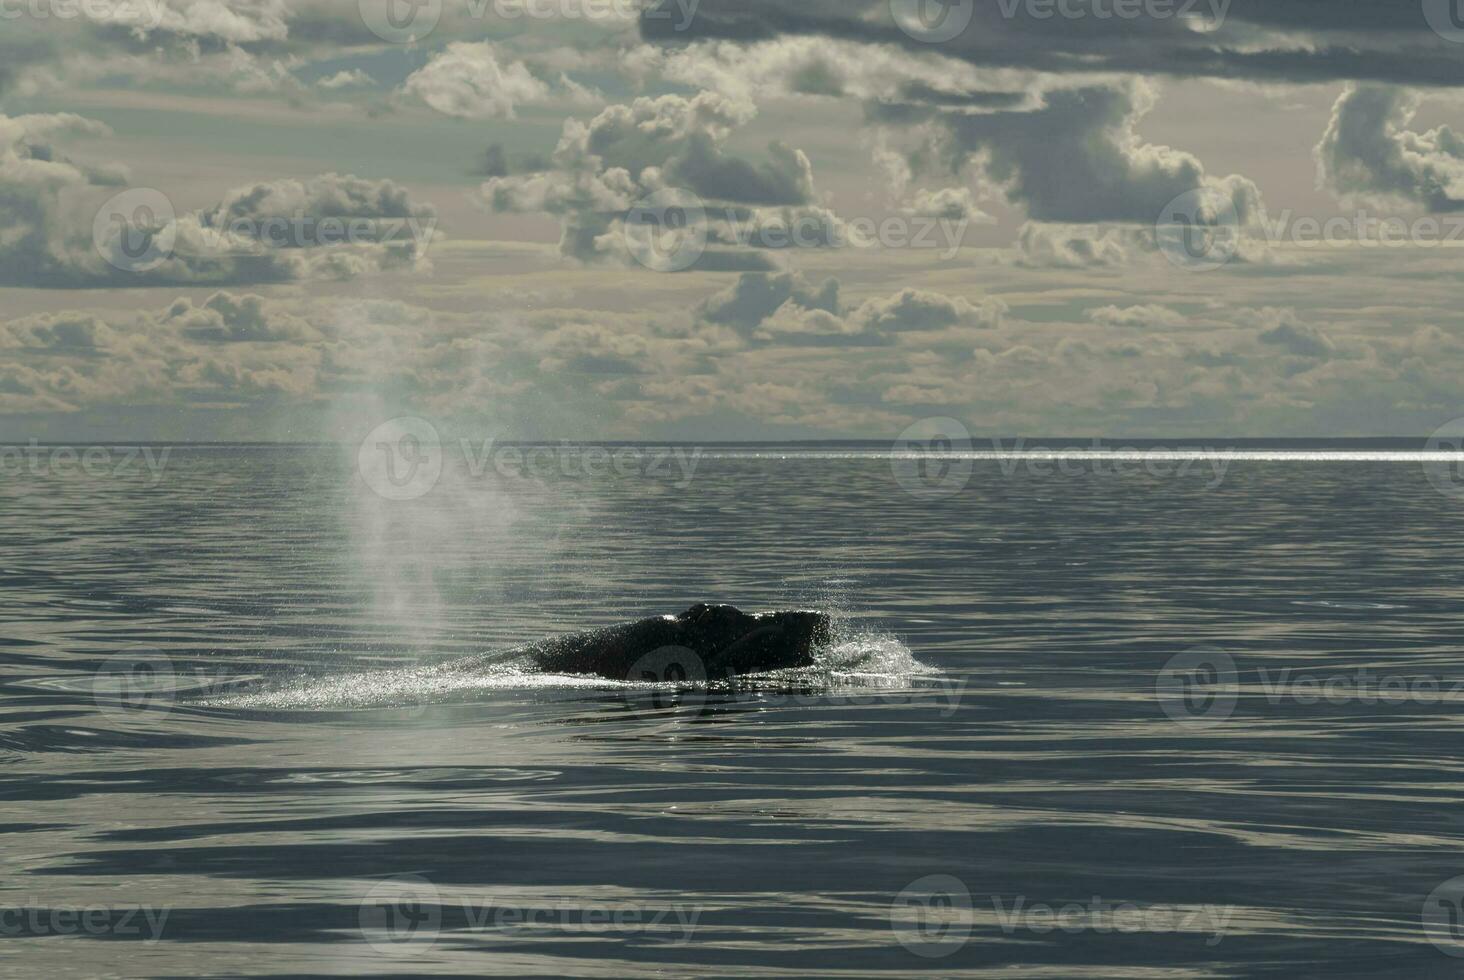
(708, 642)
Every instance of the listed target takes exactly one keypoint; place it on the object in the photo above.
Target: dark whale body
(707, 642)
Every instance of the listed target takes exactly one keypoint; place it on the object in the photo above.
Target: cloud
(1300, 41)
(793, 323)
(226, 318)
(309, 358)
(1147, 315)
(1064, 246)
(594, 348)
(915, 309)
(1369, 152)
(233, 21)
(950, 203)
(325, 210)
(756, 296)
(785, 308)
(785, 178)
(1046, 117)
(470, 81)
(1075, 159)
(33, 175)
(1283, 328)
(673, 141)
(628, 152)
(231, 349)
(345, 78)
(244, 44)
(57, 333)
(821, 67)
(330, 226)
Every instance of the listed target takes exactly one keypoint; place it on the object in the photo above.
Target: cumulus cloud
(951, 203)
(787, 308)
(226, 318)
(1064, 246)
(1075, 159)
(330, 226)
(57, 333)
(823, 67)
(1242, 39)
(756, 296)
(594, 348)
(33, 175)
(1369, 152)
(1146, 315)
(234, 21)
(244, 44)
(1046, 117)
(345, 78)
(792, 323)
(471, 81)
(229, 349)
(245, 350)
(1283, 328)
(915, 309)
(600, 169)
(325, 210)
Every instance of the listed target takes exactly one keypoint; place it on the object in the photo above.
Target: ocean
(1102, 711)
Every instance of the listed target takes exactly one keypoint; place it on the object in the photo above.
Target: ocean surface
(1097, 714)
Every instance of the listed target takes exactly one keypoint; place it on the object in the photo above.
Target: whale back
(608, 652)
(727, 641)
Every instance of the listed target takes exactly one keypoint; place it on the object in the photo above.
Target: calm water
(225, 752)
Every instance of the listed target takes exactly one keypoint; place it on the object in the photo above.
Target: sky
(292, 220)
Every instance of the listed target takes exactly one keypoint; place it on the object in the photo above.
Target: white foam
(854, 661)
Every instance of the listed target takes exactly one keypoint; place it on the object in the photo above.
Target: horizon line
(1000, 443)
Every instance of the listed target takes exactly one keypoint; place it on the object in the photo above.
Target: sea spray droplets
(855, 661)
